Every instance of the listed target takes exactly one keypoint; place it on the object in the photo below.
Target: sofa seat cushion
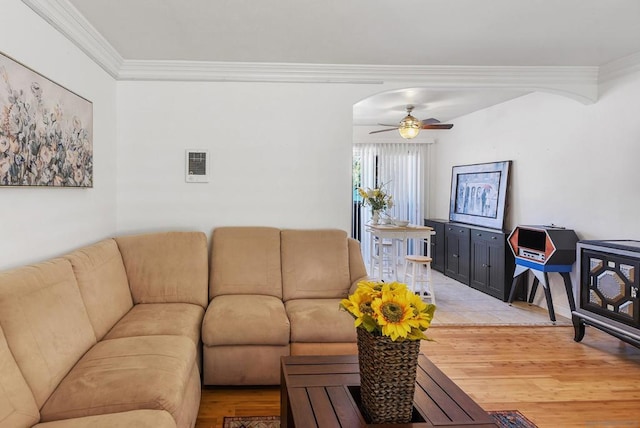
(319, 320)
(245, 320)
(151, 319)
(324, 348)
(187, 415)
(132, 419)
(119, 375)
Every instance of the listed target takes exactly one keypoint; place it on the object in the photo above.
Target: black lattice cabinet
(609, 283)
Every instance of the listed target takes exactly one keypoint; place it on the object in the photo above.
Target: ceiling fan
(410, 127)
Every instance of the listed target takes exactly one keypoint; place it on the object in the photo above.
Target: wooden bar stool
(382, 259)
(420, 274)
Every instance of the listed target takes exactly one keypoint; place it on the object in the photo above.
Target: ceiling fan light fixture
(409, 127)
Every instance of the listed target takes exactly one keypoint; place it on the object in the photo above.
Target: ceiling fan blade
(438, 126)
(430, 121)
(383, 130)
(395, 125)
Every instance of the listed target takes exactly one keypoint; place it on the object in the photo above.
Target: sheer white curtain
(401, 167)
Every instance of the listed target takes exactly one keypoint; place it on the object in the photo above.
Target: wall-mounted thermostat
(197, 166)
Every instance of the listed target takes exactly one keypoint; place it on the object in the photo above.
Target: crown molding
(242, 72)
(577, 82)
(65, 18)
(619, 68)
(580, 83)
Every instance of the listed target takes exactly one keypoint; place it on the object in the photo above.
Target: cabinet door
(452, 249)
(457, 253)
(609, 286)
(437, 244)
(478, 274)
(497, 284)
(488, 263)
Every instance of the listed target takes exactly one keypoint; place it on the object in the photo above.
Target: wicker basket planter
(387, 377)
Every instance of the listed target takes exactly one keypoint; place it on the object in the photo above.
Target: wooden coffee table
(324, 391)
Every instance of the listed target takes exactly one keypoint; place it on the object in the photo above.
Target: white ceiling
(376, 32)
(392, 32)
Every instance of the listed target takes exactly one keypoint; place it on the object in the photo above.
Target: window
(401, 168)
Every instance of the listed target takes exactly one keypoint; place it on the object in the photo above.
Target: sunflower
(370, 287)
(359, 305)
(389, 309)
(395, 314)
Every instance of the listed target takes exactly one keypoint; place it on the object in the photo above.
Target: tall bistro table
(324, 392)
(399, 236)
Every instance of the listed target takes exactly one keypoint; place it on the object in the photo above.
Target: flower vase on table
(390, 321)
(377, 199)
(387, 377)
(375, 217)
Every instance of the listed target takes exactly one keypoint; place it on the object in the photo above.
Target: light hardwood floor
(540, 371)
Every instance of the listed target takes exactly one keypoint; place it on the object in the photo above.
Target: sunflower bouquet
(389, 309)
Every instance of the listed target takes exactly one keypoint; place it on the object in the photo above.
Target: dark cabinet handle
(451, 228)
(484, 265)
(455, 256)
(478, 234)
(461, 230)
(494, 237)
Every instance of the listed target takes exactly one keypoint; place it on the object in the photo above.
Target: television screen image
(479, 194)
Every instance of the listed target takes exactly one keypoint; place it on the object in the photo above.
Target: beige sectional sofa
(107, 336)
(274, 293)
(112, 335)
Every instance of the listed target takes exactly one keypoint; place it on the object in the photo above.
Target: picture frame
(479, 194)
(46, 131)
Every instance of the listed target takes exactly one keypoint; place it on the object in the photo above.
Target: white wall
(280, 154)
(574, 165)
(38, 223)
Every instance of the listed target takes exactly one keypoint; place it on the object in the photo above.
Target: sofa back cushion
(45, 323)
(17, 405)
(246, 260)
(103, 284)
(315, 264)
(170, 267)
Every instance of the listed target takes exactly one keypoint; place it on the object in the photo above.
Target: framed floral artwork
(46, 131)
